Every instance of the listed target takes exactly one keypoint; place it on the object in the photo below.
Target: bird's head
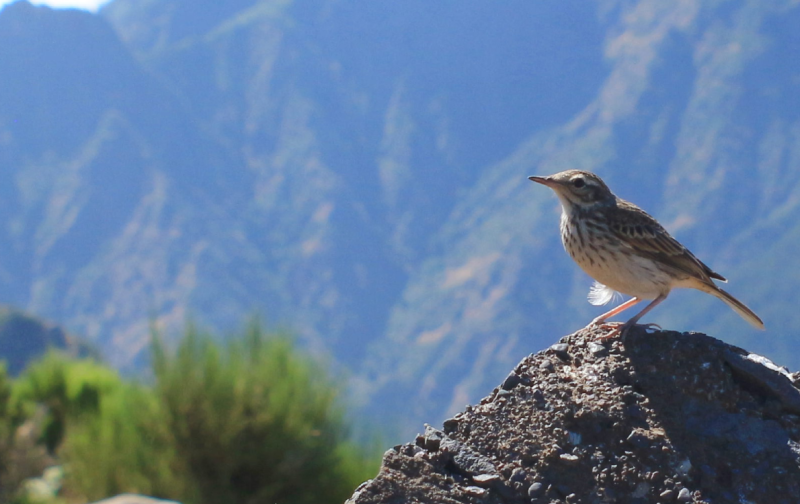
(576, 188)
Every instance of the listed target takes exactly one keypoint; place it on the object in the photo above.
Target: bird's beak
(543, 180)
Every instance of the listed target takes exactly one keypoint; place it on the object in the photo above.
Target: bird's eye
(578, 182)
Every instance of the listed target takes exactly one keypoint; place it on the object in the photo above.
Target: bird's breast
(604, 256)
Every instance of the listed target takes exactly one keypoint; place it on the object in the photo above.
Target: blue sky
(91, 5)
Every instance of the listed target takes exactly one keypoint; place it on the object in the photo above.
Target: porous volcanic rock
(662, 417)
(134, 499)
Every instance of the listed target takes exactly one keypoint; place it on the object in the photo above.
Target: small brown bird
(626, 250)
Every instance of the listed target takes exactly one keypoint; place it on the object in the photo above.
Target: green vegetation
(252, 420)
(68, 389)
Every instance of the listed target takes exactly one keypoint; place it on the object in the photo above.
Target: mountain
(24, 338)
(356, 171)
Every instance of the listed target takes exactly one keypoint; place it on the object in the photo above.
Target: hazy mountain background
(357, 171)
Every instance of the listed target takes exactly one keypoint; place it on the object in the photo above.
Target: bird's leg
(621, 330)
(600, 321)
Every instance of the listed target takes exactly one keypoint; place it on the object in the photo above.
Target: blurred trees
(249, 421)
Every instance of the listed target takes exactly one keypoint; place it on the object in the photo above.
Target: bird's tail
(739, 307)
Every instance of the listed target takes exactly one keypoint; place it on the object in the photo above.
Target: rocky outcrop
(134, 499)
(660, 417)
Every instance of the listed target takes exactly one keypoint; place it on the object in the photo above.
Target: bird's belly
(625, 273)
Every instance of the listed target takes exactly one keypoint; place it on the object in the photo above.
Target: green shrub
(254, 421)
(249, 421)
(124, 448)
(68, 388)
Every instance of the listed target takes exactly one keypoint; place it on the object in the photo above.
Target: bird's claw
(602, 324)
(616, 329)
(621, 329)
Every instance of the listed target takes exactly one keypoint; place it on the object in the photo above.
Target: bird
(625, 250)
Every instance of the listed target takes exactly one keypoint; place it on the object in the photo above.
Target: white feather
(600, 294)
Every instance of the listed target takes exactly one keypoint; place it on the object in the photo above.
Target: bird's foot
(617, 329)
(602, 324)
(620, 329)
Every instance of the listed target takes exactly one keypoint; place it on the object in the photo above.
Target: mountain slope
(358, 172)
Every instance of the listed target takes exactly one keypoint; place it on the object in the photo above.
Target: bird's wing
(642, 232)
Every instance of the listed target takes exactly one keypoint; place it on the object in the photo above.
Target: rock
(663, 417)
(485, 480)
(569, 459)
(771, 379)
(642, 489)
(511, 381)
(432, 439)
(597, 349)
(638, 439)
(476, 491)
(45, 488)
(535, 490)
(134, 499)
(450, 425)
(560, 349)
(502, 393)
(518, 475)
(684, 467)
(667, 495)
